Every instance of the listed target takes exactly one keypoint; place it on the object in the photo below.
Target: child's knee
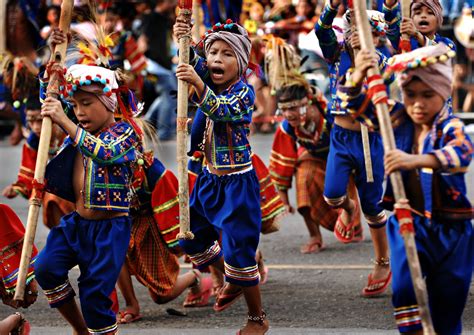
(335, 202)
(44, 271)
(377, 221)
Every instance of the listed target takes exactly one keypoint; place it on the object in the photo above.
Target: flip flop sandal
(200, 299)
(370, 292)
(310, 250)
(133, 317)
(224, 301)
(345, 233)
(23, 327)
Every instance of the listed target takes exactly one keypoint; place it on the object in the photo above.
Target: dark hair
(290, 93)
(33, 103)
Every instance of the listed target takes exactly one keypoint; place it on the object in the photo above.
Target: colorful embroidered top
(337, 57)
(356, 104)
(11, 243)
(109, 161)
(223, 120)
(285, 152)
(444, 191)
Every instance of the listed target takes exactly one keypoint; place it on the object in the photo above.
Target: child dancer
(433, 154)
(345, 151)
(226, 197)
(426, 18)
(94, 169)
(308, 124)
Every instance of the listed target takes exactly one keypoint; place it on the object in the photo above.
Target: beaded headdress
(431, 64)
(376, 21)
(282, 67)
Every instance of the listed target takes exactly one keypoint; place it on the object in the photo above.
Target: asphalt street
(305, 294)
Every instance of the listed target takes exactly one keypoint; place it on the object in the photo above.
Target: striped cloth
(149, 259)
(310, 174)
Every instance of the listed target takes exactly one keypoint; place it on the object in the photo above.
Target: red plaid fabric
(310, 174)
(149, 259)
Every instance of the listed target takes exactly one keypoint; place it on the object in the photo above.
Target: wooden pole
(388, 139)
(185, 13)
(3, 26)
(197, 20)
(405, 45)
(43, 151)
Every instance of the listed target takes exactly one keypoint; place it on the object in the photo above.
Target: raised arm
(326, 36)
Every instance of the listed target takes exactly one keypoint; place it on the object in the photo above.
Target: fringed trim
(207, 256)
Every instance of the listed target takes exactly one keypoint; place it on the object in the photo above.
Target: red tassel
(405, 45)
(185, 4)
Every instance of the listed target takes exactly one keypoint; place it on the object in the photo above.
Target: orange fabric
(270, 202)
(310, 174)
(283, 159)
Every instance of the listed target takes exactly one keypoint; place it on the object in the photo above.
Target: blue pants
(346, 155)
(229, 204)
(99, 248)
(446, 254)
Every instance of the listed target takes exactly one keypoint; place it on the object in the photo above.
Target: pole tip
(185, 4)
(187, 235)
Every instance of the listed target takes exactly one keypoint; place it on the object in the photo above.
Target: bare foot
(379, 279)
(129, 314)
(255, 328)
(313, 246)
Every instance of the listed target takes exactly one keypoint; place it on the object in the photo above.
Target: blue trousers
(347, 155)
(99, 248)
(446, 255)
(229, 205)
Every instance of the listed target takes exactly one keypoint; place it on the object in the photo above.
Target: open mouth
(423, 23)
(217, 73)
(84, 124)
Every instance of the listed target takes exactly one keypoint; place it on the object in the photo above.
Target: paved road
(305, 294)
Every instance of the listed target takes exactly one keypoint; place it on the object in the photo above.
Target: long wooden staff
(405, 45)
(402, 207)
(3, 27)
(57, 65)
(364, 130)
(185, 13)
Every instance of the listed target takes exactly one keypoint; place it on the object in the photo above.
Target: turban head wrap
(434, 5)
(236, 37)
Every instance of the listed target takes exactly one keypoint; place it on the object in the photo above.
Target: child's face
(52, 16)
(35, 121)
(293, 114)
(425, 20)
(222, 64)
(303, 8)
(422, 102)
(90, 112)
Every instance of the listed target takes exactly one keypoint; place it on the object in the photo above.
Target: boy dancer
(306, 123)
(433, 153)
(226, 195)
(94, 169)
(345, 151)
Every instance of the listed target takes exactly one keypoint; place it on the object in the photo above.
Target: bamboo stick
(185, 13)
(43, 152)
(395, 178)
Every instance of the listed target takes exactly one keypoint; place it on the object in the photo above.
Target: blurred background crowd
(144, 46)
